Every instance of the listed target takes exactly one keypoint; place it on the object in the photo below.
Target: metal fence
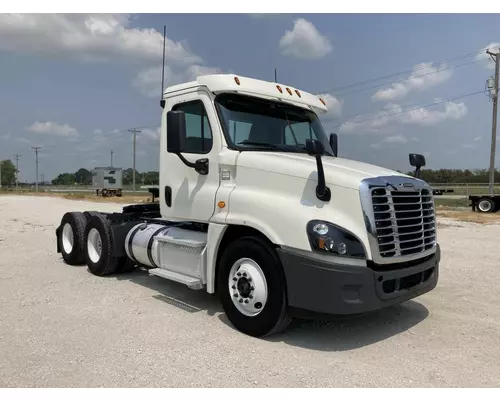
(465, 189)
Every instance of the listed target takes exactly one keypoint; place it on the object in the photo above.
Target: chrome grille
(404, 221)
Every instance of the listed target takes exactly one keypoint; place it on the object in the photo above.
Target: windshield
(254, 124)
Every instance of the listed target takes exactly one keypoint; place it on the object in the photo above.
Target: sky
(76, 83)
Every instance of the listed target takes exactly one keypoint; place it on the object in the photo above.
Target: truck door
(184, 193)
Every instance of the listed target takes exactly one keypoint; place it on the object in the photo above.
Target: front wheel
(252, 287)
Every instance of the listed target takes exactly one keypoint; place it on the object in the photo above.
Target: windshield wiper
(263, 144)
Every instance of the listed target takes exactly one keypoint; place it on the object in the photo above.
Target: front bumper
(331, 288)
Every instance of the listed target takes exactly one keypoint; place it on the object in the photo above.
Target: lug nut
(252, 288)
(249, 279)
(241, 300)
(244, 274)
(239, 274)
(247, 301)
(236, 295)
(250, 297)
(235, 279)
(233, 287)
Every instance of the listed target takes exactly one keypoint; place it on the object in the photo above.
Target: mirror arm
(417, 172)
(322, 191)
(201, 165)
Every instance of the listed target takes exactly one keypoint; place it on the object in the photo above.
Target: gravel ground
(60, 326)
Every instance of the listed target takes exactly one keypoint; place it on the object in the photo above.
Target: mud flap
(58, 246)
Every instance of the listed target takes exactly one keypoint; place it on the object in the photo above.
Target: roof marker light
(279, 88)
(323, 101)
(298, 93)
(236, 80)
(289, 91)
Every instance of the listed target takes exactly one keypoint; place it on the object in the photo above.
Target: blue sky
(76, 83)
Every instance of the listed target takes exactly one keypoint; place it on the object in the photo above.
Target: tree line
(83, 176)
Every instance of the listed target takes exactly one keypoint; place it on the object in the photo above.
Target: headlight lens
(330, 239)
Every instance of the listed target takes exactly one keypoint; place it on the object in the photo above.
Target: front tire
(252, 287)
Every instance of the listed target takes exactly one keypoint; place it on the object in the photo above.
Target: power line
(407, 79)
(135, 132)
(36, 148)
(17, 155)
(416, 107)
(406, 71)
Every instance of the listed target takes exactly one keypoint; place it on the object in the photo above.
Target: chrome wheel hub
(247, 287)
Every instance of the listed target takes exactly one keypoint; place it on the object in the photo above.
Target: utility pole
(496, 58)
(111, 158)
(135, 132)
(1, 163)
(36, 148)
(17, 155)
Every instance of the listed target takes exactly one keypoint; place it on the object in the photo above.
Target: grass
(127, 198)
(456, 209)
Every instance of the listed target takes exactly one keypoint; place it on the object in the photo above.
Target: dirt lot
(61, 326)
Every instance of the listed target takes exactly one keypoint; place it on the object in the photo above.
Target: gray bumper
(328, 288)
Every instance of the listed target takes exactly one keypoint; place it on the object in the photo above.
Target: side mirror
(314, 147)
(417, 160)
(334, 143)
(176, 132)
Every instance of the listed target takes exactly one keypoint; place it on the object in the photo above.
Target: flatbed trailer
(485, 203)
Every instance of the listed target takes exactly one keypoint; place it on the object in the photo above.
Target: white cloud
(148, 135)
(148, 81)
(396, 139)
(395, 114)
(485, 57)
(98, 132)
(7, 136)
(334, 106)
(423, 77)
(478, 138)
(304, 41)
(91, 37)
(426, 117)
(53, 128)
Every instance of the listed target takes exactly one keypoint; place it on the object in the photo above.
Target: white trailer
(107, 181)
(256, 206)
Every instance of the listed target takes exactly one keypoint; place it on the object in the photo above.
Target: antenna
(275, 75)
(162, 102)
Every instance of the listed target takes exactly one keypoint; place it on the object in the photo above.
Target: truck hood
(338, 171)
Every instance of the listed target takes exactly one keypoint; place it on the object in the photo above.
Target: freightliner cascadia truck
(257, 208)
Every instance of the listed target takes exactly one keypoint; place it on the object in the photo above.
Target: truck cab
(257, 207)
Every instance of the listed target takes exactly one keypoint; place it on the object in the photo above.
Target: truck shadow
(173, 293)
(348, 333)
(335, 334)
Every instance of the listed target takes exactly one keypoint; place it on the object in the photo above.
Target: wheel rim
(68, 238)
(94, 245)
(247, 287)
(484, 205)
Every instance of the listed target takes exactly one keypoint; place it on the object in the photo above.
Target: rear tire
(98, 244)
(71, 238)
(485, 205)
(259, 261)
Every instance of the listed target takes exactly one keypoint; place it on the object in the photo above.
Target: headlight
(330, 239)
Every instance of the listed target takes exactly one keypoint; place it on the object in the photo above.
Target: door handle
(168, 196)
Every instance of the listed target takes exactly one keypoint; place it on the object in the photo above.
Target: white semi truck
(256, 207)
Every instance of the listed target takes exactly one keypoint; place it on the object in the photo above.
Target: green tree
(8, 173)
(83, 176)
(64, 179)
